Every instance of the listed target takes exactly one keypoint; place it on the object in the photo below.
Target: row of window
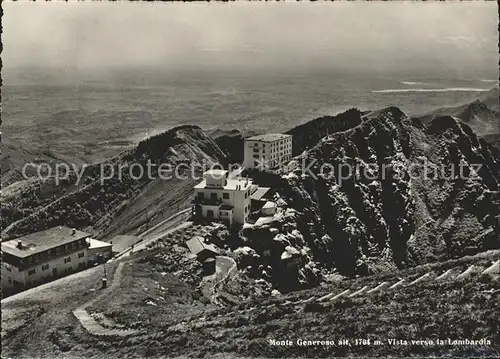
(53, 252)
(46, 266)
(283, 142)
(281, 148)
(225, 195)
(282, 154)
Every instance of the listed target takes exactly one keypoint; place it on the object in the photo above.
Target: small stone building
(201, 249)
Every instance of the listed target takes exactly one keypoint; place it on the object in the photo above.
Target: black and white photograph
(250, 179)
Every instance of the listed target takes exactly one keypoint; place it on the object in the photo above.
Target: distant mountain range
(482, 115)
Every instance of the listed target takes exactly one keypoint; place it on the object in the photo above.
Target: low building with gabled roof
(201, 249)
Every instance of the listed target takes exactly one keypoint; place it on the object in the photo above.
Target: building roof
(121, 242)
(197, 245)
(231, 185)
(259, 193)
(94, 244)
(41, 241)
(268, 137)
(269, 204)
(216, 173)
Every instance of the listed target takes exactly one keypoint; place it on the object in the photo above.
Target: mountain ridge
(482, 114)
(92, 206)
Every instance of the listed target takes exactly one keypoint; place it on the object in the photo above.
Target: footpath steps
(90, 324)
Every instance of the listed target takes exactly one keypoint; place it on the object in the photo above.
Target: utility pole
(104, 278)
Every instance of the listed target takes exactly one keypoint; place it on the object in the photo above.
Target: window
(67, 260)
(31, 272)
(255, 156)
(80, 255)
(45, 267)
(225, 195)
(200, 195)
(246, 195)
(8, 269)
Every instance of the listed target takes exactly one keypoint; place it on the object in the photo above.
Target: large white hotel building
(268, 151)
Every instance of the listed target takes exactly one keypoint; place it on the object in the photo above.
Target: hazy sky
(173, 35)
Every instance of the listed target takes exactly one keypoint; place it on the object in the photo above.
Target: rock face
(231, 143)
(308, 134)
(387, 193)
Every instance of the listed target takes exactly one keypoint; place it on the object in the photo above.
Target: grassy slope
(430, 310)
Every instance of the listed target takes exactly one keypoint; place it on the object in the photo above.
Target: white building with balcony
(218, 197)
(268, 152)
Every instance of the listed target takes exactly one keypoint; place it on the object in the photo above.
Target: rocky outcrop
(308, 134)
(385, 194)
(231, 143)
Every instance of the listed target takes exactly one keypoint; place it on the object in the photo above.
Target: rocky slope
(482, 115)
(310, 133)
(492, 99)
(391, 212)
(116, 205)
(231, 142)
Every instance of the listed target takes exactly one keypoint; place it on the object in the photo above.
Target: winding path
(90, 324)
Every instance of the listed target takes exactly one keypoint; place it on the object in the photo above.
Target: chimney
(19, 245)
(73, 231)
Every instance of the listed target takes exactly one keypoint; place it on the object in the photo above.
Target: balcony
(207, 201)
